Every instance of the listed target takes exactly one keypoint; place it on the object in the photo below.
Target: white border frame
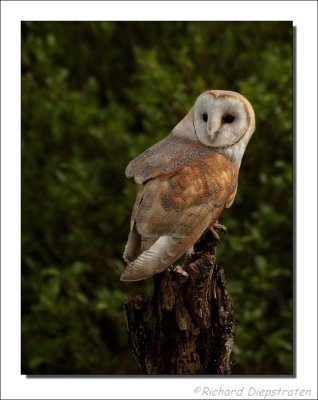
(303, 14)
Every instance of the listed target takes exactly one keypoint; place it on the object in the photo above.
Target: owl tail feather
(157, 258)
(165, 251)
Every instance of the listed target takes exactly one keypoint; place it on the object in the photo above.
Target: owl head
(223, 120)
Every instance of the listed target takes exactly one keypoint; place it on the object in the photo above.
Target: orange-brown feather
(175, 202)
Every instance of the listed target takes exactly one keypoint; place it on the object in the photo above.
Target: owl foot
(218, 231)
(180, 273)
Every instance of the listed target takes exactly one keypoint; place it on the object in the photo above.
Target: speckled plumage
(186, 180)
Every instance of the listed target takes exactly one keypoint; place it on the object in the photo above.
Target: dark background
(96, 94)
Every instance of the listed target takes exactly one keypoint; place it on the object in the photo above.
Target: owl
(185, 181)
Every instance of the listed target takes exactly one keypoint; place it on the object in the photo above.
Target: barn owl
(186, 180)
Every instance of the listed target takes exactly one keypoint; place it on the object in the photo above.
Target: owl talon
(178, 270)
(218, 229)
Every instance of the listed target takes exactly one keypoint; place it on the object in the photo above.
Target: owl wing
(174, 210)
(163, 252)
(165, 157)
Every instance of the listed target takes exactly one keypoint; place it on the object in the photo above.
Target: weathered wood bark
(186, 327)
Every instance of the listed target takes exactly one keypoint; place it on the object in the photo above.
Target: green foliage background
(96, 94)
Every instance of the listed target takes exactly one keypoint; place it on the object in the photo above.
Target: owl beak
(211, 128)
(212, 134)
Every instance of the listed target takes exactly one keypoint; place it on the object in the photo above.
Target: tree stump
(187, 326)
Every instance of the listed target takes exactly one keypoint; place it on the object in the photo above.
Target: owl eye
(205, 117)
(228, 119)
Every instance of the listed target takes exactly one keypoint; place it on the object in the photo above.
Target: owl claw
(218, 229)
(180, 271)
